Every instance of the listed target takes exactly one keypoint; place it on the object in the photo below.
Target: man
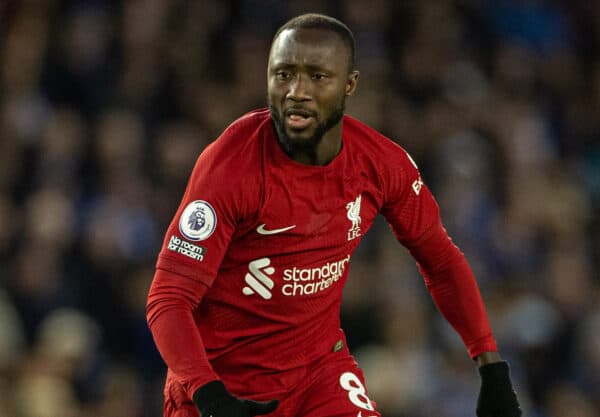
(244, 306)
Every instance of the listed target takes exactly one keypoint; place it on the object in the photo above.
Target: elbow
(164, 297)
(172, 292)
(159, 304)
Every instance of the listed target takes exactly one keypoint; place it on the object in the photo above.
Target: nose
(299, 88)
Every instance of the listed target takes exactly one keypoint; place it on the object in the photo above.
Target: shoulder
(243, 132)
(235, 158)
(231, 167)
(249, 122)
(374, 145)
(384, 160)
(239, 144)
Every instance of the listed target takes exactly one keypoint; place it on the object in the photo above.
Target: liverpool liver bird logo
(354, 216)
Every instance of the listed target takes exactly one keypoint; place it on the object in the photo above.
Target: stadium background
(104, 106)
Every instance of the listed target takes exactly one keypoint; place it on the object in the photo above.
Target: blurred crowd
(105, 105)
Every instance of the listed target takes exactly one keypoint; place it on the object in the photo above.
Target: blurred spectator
(39, 395)
(12, 341)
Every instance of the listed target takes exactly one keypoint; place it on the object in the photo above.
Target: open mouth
(298, 118)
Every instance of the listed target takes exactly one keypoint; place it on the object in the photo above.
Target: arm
(194, 246)
(170, 303)
(452, 285)
(171, 300)
(413, 213)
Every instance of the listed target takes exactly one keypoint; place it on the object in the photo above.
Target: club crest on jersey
(198, 220)
(353, 215)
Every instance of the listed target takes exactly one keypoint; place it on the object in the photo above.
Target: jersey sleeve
(194, 246)
(171, 299)
(409, 207)
(200, 232)
(413, 214)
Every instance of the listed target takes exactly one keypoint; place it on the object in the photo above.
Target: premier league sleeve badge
(198, 221)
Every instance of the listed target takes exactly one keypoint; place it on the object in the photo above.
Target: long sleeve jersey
(250, 276)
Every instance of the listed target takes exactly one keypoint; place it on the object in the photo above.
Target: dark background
(104, 106)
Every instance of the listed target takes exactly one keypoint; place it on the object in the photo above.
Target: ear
(352, 82)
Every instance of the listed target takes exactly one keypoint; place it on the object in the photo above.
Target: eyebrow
(310, 67)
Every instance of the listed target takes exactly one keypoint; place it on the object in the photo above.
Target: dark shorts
(333, 386)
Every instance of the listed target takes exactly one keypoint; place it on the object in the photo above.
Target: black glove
(213, 400)
(497, 398)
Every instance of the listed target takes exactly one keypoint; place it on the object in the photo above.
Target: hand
(497, 397)
(213, 400)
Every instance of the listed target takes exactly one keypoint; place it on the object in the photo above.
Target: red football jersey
(273, 239)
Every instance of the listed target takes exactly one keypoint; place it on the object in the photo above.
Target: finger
(256, 408)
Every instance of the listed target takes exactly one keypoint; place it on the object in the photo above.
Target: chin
(302, 136)
(299, 141)
(296, 140)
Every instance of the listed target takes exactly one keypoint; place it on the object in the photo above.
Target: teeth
(298, 113)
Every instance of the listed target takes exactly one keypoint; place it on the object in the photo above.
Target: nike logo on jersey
(261, 229)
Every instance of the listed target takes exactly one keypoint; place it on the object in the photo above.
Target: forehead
(309, 47)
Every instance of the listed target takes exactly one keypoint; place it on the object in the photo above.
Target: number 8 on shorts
(356, 391)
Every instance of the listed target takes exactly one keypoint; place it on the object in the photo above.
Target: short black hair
(324, 22)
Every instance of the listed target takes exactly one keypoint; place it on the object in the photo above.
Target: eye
(318, 76)
(282, 75)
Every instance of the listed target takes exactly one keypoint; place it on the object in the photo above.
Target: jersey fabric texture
(332, 386)
(260, 247)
